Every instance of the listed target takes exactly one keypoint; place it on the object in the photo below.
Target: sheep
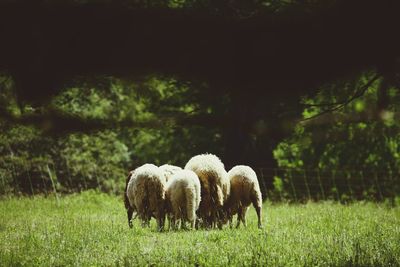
(215, 186)
(245, 190)
(130, 209)
(169, 170)
(183, 198)
(146, 194)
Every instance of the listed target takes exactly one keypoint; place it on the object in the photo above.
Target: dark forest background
(305, 92)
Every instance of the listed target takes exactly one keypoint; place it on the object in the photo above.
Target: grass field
(91, 229)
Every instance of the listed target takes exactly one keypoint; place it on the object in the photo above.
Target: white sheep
(183, 198)
(146, 194)
(215, 187)
(169, 170)
(130, 209)
(245, 190)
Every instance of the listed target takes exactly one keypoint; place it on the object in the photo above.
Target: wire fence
(340, 185)
(276, 184)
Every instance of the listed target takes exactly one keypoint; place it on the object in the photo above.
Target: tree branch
(360, 92)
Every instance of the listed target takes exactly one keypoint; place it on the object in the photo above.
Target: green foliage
(149, 110)
(359, 136)
(91, 229)
(357, 144)
(278, 184)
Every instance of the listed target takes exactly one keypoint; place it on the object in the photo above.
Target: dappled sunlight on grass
(92, 229)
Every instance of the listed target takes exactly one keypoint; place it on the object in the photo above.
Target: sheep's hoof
(130, 224)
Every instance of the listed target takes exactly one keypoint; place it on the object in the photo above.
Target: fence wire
(276, 184)
(339, 185)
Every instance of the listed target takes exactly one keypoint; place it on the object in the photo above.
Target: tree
(358, 141)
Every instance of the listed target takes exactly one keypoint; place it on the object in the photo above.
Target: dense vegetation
(91, 229)
(129, 123)
(34, 160)
(81, 108)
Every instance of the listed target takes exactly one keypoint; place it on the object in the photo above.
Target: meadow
(90, 229)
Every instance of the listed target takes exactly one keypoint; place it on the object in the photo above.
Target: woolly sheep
(169, 170)
(183, 197)
(129, 209)
(146, 194)
(215, 186)
(245, 190)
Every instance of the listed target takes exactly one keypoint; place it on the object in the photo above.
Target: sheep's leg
(158, 219)
(176, 219)
(148, 218)
(230, 221)
(216, 220)
(184, 226)
(162, 219)
(219, 219)
(173, 223)
(160, 215)
(208, 221)
(143, 218)
(211, 221)
(130, 212)
(239, 217)
(160, 223)
(169, 222)
(258, 210)
(244, 216)
(258, 207)
(193, 224)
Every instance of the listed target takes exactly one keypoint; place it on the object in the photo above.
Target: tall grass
(91, 229)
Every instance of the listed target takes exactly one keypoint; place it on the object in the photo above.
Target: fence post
(364, 187)
(307, 187)
(43, 180)
(29, 178)
(69, 175)
(3, 182)
(276, 175)
(320, 185)
(14, 172)
(291, 182)
(392, 187)
(377, 185)
(348, 177)
(263, 183)
(334, 184)
(53, 184)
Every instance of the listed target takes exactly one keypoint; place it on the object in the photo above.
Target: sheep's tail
(191, 196)
(256, 192)
(155, 193)
(126, 199)
(216, 192)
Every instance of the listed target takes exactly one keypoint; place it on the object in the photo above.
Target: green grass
(91, 229)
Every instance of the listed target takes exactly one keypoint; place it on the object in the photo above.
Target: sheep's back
(213, 179)
(147, 183)
(169, 170)
(244, 184)
(183, 191)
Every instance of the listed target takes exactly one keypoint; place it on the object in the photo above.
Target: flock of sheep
(202, 194)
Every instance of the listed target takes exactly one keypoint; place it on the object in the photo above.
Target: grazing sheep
(169, 170)
(130, 209)
(183, 198)
(215, 186)
(146, 194)
(245, 190)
